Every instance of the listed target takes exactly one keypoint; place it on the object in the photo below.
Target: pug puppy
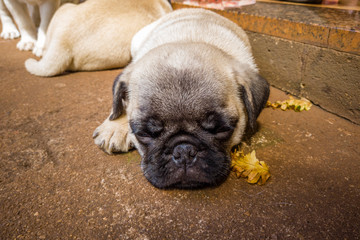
(94, 35)
(188, 96)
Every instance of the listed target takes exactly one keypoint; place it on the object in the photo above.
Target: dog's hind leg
(55, 61)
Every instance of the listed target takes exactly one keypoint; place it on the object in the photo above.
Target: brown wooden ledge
(337, 29)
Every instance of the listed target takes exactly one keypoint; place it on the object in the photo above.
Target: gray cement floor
(56, 184)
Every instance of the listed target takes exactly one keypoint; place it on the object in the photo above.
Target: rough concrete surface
(56, 184)
(327, 77)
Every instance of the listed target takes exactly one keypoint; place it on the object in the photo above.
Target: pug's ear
(120, 95)
(254, 92)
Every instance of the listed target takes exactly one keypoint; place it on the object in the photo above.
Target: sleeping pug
(188, 96)
(94, 35)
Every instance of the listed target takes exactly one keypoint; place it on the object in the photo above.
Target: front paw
(113, 136)
(26, 44)
(38, 51)
(40, 45)
(10, 33)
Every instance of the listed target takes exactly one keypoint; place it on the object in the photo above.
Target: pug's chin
(187, 178)
(183, 183)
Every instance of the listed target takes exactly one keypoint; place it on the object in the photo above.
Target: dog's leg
(9, 30)
(113, 135)
(34, 14)
(47, 10)
(26, 26)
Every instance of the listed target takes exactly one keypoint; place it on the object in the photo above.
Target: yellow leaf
(253, 177)
(249, 166)
(297, 105)
(284, 106)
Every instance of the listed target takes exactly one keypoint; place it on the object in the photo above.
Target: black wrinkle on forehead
(181, 94)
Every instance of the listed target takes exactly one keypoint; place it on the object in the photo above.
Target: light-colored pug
(188, 96)
(94, 35)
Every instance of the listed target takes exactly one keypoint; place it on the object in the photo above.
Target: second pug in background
(94, 35)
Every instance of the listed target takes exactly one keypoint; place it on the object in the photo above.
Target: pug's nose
(184, 155)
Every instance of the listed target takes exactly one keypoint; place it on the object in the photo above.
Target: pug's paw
(113, 136)
(26, 44)
(40, 44)
(10, 33)
(38, 51)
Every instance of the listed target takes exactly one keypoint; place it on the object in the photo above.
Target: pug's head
(187, 105)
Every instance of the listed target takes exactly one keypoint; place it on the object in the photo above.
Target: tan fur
(233, 54)
(112, 137)
(189, 94)
(94, 35)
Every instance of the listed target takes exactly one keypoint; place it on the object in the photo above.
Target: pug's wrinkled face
(186, 106)
(183, 125)
(185, 99)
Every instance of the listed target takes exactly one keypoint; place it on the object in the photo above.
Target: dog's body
(94, 35)
(188, 96)
(32, 38)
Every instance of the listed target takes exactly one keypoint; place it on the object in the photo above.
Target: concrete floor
(56, 184)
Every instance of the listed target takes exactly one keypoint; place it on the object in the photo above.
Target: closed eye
(219, 126)
(154, 127)
(146, 131)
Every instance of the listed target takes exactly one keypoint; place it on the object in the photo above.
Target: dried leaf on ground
(297, 105)
(249, 166)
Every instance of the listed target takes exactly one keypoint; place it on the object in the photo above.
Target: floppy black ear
(254, 93)
(120, 92)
